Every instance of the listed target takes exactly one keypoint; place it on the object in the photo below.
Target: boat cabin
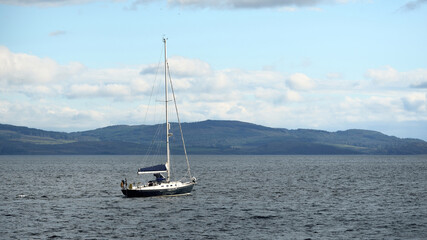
(159, 179)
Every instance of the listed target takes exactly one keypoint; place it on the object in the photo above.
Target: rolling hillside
(206, 137)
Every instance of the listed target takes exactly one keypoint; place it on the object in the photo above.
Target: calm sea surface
(237, 197)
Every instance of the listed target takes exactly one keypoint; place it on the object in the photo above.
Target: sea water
(237, 197)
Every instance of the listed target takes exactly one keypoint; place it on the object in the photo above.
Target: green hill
(206, 137)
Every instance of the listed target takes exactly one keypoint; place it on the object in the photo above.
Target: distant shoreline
(206, 138)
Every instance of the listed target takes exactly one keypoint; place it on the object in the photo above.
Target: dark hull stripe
(161, 192)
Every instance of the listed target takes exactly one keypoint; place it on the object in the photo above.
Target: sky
(75, 65)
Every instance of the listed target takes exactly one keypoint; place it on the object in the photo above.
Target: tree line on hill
(206, 137)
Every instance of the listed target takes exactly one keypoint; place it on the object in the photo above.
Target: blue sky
(73, 65)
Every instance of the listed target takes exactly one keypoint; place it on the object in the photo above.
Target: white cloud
(300, 81)
(334, 75)
(184, 67)
(248, 3)
(383, 76)
(83, 90)
(50, 116)
(103, 91)
(293, 96)
(287, 5)
(45, 3)
(139, 86)
(43, 77)
(117, 90)
(20, 68)
(23, 68)
(413, 5)
(274, 95)
(277, 96)
(389, 76)
(415, 102)
(372, 108)
(252, 4)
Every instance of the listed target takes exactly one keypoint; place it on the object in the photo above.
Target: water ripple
(250, 197)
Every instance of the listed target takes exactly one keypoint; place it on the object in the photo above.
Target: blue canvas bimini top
(154, 169)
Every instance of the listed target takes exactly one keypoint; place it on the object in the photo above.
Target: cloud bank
(245, 3)
(388, 76)
(241, 4)
(39, 92)
(221, 4)
(44, 3)
(413, 5)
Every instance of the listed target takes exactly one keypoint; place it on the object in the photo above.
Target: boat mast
(167, 123)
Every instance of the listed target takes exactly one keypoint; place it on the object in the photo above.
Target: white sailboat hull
(163, 189)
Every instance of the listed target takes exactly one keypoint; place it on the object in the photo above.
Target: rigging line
(152, 88)
(179, 122)
(150, 147)
(154, 146)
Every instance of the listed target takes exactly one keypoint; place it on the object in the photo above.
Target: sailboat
(162, 185)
